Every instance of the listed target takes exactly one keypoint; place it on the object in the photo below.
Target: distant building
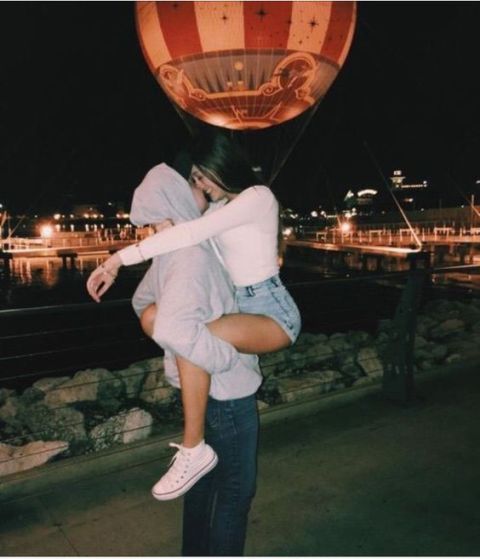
(363, 202)
(410, 195)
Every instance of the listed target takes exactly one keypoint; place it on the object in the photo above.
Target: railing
(78, 378)
(101, 237)
(388, 235)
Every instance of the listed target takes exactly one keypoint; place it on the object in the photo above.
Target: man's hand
(101, 279)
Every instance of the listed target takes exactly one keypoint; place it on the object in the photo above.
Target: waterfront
(38, 282)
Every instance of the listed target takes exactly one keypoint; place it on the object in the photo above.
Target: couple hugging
(213, 300)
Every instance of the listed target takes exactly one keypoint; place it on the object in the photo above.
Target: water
(38, 282)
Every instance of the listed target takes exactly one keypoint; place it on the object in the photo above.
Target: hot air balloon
(245, 66)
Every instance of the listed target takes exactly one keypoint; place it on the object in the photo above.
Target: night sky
(82, 118)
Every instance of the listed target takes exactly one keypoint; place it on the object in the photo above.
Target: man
(190, 289)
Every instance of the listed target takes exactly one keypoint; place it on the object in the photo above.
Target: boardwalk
(348, 475)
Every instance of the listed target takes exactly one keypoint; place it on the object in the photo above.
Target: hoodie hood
(163, 194)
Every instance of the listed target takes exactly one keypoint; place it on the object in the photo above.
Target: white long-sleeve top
(245, 231)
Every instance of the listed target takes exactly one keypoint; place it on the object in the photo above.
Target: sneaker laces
(178, 466)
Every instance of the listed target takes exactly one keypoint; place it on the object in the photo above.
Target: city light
(345, 227)
(46, 231)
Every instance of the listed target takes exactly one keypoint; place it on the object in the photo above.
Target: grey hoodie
(190, 289)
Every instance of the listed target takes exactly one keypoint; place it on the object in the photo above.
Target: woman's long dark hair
(222, 160)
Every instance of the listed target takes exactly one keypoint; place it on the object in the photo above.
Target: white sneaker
(186, 468)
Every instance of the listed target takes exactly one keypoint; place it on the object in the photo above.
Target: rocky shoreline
(97, 408)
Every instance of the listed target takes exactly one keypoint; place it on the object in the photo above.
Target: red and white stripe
(173, 30)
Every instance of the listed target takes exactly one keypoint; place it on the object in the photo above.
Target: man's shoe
(186, 468)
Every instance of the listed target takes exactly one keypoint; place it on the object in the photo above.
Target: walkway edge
(82, 468)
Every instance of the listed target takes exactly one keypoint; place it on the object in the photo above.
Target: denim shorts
(271, 298)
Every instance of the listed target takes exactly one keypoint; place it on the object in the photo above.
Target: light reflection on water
(34, 282)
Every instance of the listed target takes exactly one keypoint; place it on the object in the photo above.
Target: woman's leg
(250, 333)
(195, 385)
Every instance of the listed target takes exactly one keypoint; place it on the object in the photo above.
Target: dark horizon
(84, 119)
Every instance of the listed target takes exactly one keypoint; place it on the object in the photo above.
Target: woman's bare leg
(195, 385)
(250, 333)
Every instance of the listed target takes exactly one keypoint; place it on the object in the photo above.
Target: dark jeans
(216, 508)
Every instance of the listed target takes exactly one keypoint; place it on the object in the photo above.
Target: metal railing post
(397, 381)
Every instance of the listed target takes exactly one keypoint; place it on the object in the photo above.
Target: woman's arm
(249, 206)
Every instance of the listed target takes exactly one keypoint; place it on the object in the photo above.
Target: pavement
(345, 475)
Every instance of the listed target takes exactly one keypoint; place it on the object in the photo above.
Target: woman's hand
(101, 279)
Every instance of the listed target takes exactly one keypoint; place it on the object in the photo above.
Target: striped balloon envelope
(245, 65)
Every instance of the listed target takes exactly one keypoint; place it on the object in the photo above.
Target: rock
(137, 426)
(358, 338)
(339, 343)
(425, 365)
(15, 459)
(453, 357)
(447, 328)
(320, 353)
(154, 365)
(438, 352)
(420, 342)
(470, 315)
(132, 378)
(369, 362)
(49, 383)
(305, 339)
(382, 340)
(31, 395)
(66, 424)
(438, 307)
(269, 390)
(156, 389)
(363, 381)
(9, 410)
(272, 363)
(297, 362)
(422, 353)
(85, 386)
(261, 405)
(425, 324)
(5, 393)
(127, 427)
(347, 365)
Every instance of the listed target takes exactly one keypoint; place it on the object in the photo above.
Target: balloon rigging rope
(397, 203)
(295, 140)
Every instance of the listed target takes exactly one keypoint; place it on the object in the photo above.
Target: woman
(243, 221)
